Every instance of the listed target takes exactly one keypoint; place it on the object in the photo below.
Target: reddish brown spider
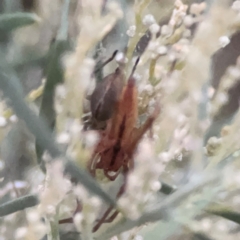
(117, 145)
(118, 142)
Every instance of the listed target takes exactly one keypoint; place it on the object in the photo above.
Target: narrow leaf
(12, 21)
(18, 204)
(224, 211)
(161, 230)
(30, 58)
(54, 75)
(200, 236)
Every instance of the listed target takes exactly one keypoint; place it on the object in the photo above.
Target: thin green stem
(54, 226)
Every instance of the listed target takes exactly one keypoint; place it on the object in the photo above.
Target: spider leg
(70, 220)
(107, 61)
(138, 134)
(66, 220)
(102, 220)
(92, 164)
(112, 217)
(78, 208)
(111, 177)
(105, 218)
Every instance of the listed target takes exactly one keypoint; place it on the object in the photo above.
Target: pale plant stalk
(139, 7)
(53, 233)
(86, 226)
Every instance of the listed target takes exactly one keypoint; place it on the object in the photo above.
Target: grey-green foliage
(54, 75)
(18, 204)
(12, 21)
(224, 211)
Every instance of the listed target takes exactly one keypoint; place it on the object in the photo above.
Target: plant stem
(54, 226)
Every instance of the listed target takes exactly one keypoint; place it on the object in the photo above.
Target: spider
(115, 149)
(118, 142)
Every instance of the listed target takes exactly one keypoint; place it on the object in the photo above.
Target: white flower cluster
(228, 80)
(178, 13)
(142, 182)
(55, 189)
(84, 220)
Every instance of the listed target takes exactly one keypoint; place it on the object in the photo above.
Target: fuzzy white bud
(148, 20)
(131, 31)
(154, 28)
(224, 41)
(63, 138)
(3, 122)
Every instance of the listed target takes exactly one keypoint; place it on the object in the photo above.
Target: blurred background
(33, 43)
